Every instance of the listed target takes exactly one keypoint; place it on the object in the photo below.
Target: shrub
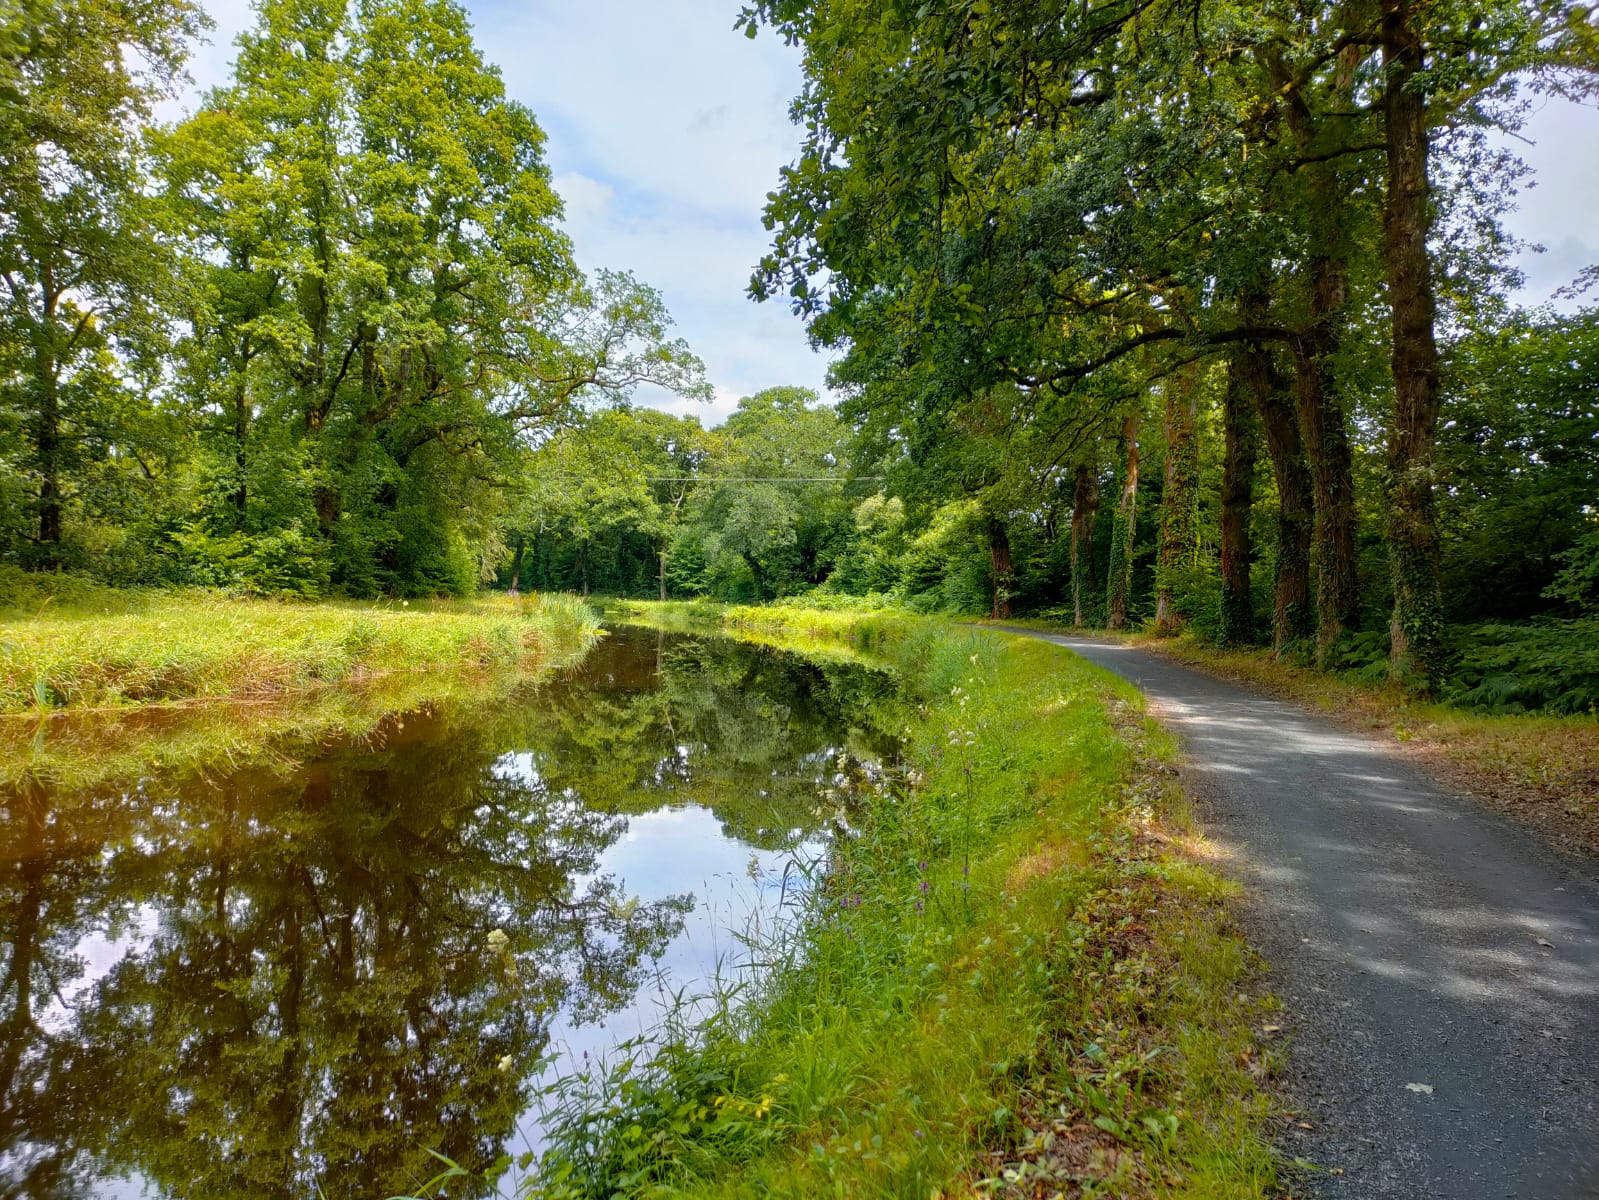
(1548, 666)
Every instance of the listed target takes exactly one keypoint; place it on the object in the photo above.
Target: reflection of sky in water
(673, 852)
(715, 743)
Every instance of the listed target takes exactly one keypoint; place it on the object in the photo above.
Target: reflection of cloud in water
(673, 852)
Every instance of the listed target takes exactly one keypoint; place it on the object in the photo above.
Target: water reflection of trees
(306, 994)
(301, 990)
(747, 731)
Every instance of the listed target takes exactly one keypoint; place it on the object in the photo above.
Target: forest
(1153, 314)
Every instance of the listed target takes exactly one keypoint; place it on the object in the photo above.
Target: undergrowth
(1008, 979)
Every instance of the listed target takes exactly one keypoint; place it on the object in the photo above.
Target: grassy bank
(1015, 979)
(65, 644)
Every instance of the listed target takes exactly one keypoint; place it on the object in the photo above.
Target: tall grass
(1003, 945)
(81, 646)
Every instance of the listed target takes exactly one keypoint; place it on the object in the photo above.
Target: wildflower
(922, 866)
(506, 1064)
(919, 906)
(498, 941)
(924, 887)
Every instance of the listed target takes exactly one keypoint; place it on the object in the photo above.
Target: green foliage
(1576, 585)
(302, 340)
(284, 562)
(1196, 595)
(1520, 466)
(1544, 666)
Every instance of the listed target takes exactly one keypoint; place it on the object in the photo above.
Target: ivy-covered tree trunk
(1002, 568)
(1292, 618)
(1119, 576)
(1324, 134)
(1085, 508)
(1326, 441)
(1179, 500)
(1241, 434)
(1416, 627)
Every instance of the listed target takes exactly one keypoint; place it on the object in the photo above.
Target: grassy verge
(86, 647)
(1543, 770)
(1016, 977)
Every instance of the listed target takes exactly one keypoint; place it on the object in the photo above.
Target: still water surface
(280, 982)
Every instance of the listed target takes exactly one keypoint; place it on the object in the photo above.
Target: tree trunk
(663, 573)
(47, 443)
(1292, 617)
(1003, 570)
(241, 431)
(1326, 442)
(583, 565)
(760, 576)
(1322, 134)
(1416, 627)
(516, 563)
(1085, 504)
(1179, 500)
(1120, 574)
(1241, 433)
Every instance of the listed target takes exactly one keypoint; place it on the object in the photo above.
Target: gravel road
(1439, 966)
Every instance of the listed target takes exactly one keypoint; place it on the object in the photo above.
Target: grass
(1015, 978)
(65, 644)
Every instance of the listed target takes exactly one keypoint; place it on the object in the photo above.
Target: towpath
(1439, 966)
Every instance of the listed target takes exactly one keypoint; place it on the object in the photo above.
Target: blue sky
(667, 128)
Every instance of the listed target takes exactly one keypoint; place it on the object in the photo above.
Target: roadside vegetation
(68, 644)
(1015, 975)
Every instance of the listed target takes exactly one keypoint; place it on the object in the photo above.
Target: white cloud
(1557, 211)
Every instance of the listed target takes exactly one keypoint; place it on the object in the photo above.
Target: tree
(78, 255)
(772, 510)
(377, 271)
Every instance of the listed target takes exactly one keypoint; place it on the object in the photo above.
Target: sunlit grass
(94, 648)
(1008, 936)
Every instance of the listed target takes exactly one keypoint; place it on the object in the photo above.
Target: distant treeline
(1186, 314)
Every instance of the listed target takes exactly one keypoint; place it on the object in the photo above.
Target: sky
(667, 127)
